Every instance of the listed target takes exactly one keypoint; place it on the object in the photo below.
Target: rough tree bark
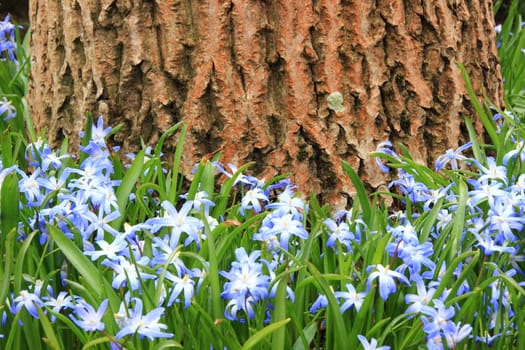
(251, 78)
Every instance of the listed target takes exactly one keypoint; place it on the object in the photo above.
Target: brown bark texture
(251, 78)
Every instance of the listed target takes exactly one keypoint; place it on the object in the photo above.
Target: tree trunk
(251, 78)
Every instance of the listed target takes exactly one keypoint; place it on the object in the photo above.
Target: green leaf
(164, 136)
(487, 121)
(336, 318)
(18, 277)
(8, 263)
(84, 266)
(213, 269)
(204, 180)
(169, 344)
(88, 127)
(126, 187)
(230, 339)
(7, 148)
(92, 343)
(476, 148)
(172, 194)
(51, 338)
(458, 223)
(279, 314)
(361, 192)
(263, 333)
(9, 203)
(75, 256)
(309, 333)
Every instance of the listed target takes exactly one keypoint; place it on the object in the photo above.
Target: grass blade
(361, 192)
(51, 339)
(126, 187)
(487, 121)
(8, 264)
(263, 333)
(84, 266)
(278, 338)
(9, 202)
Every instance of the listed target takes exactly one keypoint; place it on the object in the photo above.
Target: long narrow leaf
(278, 338)
(339, 325)
(51, 338)
(126, 187)
(9, 203)
(487, 121)
(84, 266)
(8, 263)
(263, 333)
(309, 333)
(361, 192)
(172, 194)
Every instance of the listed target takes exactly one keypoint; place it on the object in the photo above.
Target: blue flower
(340, 233)
(247, 284)
(486, 192)
(405, 232)
(147, 325)
(503, 220)
(492, 172)
(52, 184)
(420, 302)
(320, 303)
(387, 284)
(386, 148)
(241, 178)
(452, 156)
(98, 132)
(201, 199)
(489, 246)
(163, 252)
(87, 318)
(29, 301)
(100, 224)
(127, 272)
(456, 333)
(416, 255)
(518, 151)
(183, 285)
(416, 191)
(437, 319)
(6, 107)
(110, 250)
(63, 300)
(488, 339)
(286, 227)
(39, 154)
(372, 345)
(30, 187)
(288, 203)
(252, 200)
(351, 298)
(7, 39)
(179, 220)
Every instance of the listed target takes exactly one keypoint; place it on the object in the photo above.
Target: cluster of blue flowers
(81, 201)
(8, 46)
(494, 218)
(8, 49)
